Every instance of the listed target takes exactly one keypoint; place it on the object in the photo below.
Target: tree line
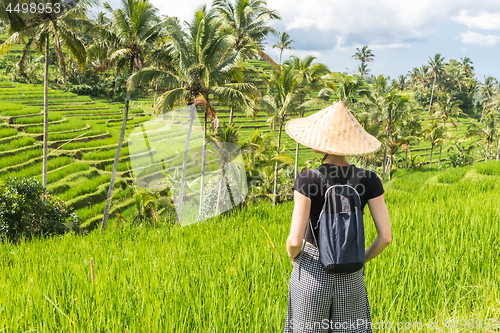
(133, 50)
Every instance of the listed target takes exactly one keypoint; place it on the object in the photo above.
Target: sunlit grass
(37, 119)
(222, 275)
(17, 143)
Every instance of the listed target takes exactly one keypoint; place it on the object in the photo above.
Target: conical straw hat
(333, 130)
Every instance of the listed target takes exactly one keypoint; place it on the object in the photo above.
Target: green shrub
(25, 211)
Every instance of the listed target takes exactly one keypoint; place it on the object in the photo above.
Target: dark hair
(324, 158)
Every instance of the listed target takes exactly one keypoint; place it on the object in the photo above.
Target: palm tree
(284, 43)
(407, 132)
(244, 100)
(364, 55)
(389, 108)
(446, 109)
(457, 75)
(99, 51)
(494, 114)
(402, 82)
(281, 99)
(313, 78)
(363, 70)
(414, 75)
(40, 30)
(194, 65)
(350, 91)
(434, 134)
(134, 30)
(486, 90)
(436, 68)
(467, 67)
(487, 130)
(247, 21)
(424, 76)
(222, 140)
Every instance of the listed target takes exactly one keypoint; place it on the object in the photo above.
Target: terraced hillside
(83, 136)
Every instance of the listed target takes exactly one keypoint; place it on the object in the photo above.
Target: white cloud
(470, 37)
(414, 19)
(390, 46)
(483, 20)
(383, 22)
(184, 10)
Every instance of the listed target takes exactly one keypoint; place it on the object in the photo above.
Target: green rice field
(226, 275)
(79, 128)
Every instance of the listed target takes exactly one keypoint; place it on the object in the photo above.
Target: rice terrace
(146, 175)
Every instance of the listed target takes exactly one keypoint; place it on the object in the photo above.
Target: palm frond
(9, 42)
(167, 100)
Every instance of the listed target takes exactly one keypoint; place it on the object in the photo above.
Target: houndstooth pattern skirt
(325, 303)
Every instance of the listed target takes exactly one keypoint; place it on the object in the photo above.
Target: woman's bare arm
(381, 218)
(300, 217)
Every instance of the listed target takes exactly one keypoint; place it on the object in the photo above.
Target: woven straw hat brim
(333, 130)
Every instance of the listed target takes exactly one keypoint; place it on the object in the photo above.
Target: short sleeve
(306, 184)
(377, 189)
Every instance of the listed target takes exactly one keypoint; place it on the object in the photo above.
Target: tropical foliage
(129, 53)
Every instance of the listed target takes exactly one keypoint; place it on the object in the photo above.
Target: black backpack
(341, 241)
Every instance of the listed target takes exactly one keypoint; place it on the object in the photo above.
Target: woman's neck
(336, 160)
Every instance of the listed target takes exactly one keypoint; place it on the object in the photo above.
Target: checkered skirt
(325, 303)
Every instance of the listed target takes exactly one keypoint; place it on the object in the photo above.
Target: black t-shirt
(314, 186)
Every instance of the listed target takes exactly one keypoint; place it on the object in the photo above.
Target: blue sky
(401, 34)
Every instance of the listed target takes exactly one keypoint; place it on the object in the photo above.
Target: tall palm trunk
(116, 81)
(482, 113)
(440, 150)
(275, 189)
(224, 183)
(487, 150)
(184, 164)
(45, 114)
(406, 159)
(222, 186)
(432, 93)
(203, 153)
(154, 100)
(498, 149)
(231, 116)
(430, 162)
(390, 166)
(117, 155)
(296, 167)
(385, 157)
